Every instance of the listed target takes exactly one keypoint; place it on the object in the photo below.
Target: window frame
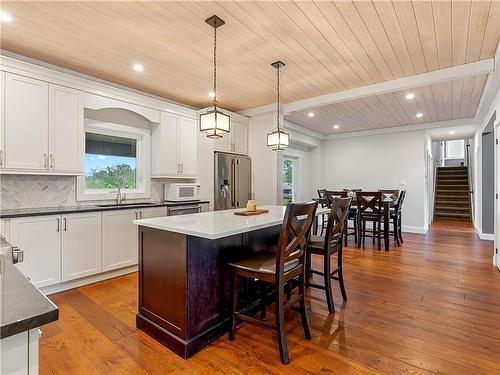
(143, 172)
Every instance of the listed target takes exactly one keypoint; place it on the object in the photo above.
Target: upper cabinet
(66, 140)
(173, 151)
(43, 128)
(26, 127)
(237, 139)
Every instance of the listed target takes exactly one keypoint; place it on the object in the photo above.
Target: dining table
(387, 203)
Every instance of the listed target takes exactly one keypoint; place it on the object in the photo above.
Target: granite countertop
(24, 212)
(23, 306)
(218, 224)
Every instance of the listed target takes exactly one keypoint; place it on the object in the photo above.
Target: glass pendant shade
(278, 140)
(214, 123)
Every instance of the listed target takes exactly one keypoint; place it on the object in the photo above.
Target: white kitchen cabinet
(236, 141)
(66, 132)
(152, 212)
(174, 147)
(19, 353)
(26, 123)
(81, 245)
(2, 118)
(187, 146)
(119, 239)
(40, 240)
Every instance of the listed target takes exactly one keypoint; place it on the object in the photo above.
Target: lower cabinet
(19, 353)
(149, 213)
(119, 239)
(39, 237)
(81, 245)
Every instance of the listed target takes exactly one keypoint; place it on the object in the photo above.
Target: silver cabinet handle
(58, 225)
(178, 168)
(135, 213)
(1, 158)
(182, 168)
(65, 224)
(140, 214)
(17, 255)
(45, 160)
(52, 161)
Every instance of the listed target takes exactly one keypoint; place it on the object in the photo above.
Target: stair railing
(469, 177)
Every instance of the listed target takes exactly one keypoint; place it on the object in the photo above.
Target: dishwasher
(184, 209)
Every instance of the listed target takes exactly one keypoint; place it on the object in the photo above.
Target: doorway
(289, 191)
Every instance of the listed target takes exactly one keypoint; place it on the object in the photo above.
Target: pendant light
(278, 139)
(214, 122)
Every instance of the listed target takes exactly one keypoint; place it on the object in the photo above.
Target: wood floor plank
(429, 306)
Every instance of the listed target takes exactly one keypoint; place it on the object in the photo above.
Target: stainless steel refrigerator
(232, 181)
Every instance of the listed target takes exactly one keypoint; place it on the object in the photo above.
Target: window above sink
(116, 156)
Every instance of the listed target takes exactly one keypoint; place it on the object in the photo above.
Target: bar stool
(369, 210)
(279, 269)
(329, 245)
(353, 216)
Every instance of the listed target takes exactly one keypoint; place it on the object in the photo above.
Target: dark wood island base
(185, 285)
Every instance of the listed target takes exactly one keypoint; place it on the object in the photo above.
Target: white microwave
(181, 192)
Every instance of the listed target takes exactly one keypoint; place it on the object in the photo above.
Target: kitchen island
(184, 280)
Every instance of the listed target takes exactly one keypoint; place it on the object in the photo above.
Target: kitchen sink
(126, 204)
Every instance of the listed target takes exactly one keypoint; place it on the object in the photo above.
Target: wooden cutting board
(259, 211)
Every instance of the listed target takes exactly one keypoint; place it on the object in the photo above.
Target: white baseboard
(496, 260)
(87, 280)
(418, 230)
(485, 236)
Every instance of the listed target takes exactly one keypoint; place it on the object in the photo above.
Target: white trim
(485, 236)
(143, 172)
(407, 128)
(496, 260)
(423, 79)
(303, 130)
(51, 289)
(417, 230)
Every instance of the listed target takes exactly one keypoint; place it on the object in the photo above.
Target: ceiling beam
(400, 84)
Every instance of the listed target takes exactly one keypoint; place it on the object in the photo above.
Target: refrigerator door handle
(233, 183)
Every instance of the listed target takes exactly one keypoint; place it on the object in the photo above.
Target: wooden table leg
(387, 223)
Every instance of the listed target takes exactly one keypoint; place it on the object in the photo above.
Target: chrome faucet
(121, 184)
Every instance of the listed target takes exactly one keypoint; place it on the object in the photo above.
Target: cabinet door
(239, 134)
(39, 237)
(26, 123)
(167, 154)
(81, 245)
(187, 146)
(119, 239)
(224, 143)
(149, 213)
(66, 134)
(2, 118)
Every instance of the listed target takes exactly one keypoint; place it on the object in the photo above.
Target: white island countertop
(218, 224)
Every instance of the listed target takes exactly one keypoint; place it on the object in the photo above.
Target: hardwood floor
(430, 306)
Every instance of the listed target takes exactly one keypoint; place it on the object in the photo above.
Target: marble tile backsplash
(31, 191)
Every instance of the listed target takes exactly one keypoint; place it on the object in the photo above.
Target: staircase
(452, 194)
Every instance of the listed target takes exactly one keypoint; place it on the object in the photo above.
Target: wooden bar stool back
(353, 216)
(369, 210)
(279, 268)
(329, 245)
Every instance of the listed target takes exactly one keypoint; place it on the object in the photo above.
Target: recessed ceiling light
(419, 115)
(452, 131)
(211, 94)
(336, 126)
(311, 114)
(5, 17)
(138, 67)
(410, 96)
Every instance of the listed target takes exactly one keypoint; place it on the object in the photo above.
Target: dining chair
(278, 269)
(323, 201)
(353, 216)
(369, 210)
(328, 245)
(396, 218)
(392, 193)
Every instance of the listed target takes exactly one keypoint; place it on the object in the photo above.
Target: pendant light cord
(215, 66)
(278, 105)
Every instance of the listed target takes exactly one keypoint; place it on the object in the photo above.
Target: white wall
(382, 161)
(266, 164)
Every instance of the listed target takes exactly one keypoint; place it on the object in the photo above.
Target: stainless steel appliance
(192, 208)
(232, 181)
(181, 192)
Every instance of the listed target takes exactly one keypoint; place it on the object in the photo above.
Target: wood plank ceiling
(444, 101)
(327, 46)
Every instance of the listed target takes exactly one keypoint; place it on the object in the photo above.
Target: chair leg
(341, 275)
(303, 313)
(263, 296)
(379, 234)
(400, 231)
(236, 297)
(346, 229)
(374, 226)
(396, 231)
(364, 233)
(328, 284)
(308, 266)
(280, 324)
(355, 230)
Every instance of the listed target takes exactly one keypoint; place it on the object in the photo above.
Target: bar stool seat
(316, 242)
(263, 262)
